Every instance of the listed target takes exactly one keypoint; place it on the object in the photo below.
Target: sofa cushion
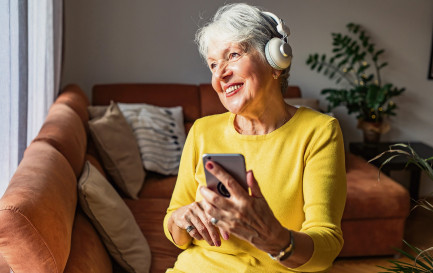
(113, 220)
(372, 236)
(158, 186)
(160, 135)
(64, 130)
(37, 212)
(149, 214)
(88, 254)
(117, 147)
(367, 197)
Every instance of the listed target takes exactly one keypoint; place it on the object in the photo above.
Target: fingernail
(218, 243)
(209, 165)
(225, 235)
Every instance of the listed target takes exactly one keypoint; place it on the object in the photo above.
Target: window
(30, 54)
(13, 87)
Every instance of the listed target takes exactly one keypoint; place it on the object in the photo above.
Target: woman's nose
(223, 71)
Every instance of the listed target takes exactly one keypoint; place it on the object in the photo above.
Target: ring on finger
(189, 228)
(214, 220)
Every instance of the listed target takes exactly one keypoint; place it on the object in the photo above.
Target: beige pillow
(113, 220)
(117, 146)
(96, 111)
(306, 102)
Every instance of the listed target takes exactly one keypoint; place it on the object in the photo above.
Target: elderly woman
(289, 221)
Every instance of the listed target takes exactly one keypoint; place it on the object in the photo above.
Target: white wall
(108, 41)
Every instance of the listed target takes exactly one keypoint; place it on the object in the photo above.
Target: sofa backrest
(196, 100)
(64, 131)
(74, 97)
(164, 95)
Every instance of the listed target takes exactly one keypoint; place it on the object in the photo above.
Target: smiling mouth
(233, 89)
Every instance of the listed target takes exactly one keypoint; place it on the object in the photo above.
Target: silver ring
(189, 228)
(214, 220)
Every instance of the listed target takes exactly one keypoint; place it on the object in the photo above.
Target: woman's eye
(234, 55)
(212, 66)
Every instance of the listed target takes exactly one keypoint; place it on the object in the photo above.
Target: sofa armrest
(37, 212)
(4, 267)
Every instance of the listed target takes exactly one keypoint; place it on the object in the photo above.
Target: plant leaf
(417, 251)
(382, 65)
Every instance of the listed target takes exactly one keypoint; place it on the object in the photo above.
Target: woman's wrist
(179, 235)
(279, 241)
(286, 251)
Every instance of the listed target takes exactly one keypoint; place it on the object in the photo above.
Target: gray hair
(245, 25)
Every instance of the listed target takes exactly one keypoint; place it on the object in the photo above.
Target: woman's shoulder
(312, 122)
(315, 117)
(204, 123)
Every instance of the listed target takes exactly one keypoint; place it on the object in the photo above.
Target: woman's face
(242, 79)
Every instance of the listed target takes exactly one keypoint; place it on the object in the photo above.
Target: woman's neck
(264, 121)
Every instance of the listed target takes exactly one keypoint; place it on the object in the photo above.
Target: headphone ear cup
(274, 55)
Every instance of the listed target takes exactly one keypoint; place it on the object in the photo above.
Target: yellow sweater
(301, 172)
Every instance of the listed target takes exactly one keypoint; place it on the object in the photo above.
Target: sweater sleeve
(186, 186)
(324, 190)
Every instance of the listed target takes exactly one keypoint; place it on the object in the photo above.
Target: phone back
(234, 164)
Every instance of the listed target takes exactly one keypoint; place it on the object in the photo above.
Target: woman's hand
(194, 216)
(247, 217)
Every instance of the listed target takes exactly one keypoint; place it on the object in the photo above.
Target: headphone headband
(281, 27)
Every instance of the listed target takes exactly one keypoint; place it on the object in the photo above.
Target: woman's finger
(229, 182)
(200, 232)
(254, 186)
(216, 202)
(224, 234)
(193, 219)
(206, 229)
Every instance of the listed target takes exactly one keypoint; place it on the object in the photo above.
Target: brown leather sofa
(42, 228)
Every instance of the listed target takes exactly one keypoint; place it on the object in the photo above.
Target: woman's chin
(235, 110)
(232, 105)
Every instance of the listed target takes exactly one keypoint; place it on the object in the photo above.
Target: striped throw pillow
(160, 135)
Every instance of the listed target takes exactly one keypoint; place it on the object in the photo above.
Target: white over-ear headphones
(278, 52)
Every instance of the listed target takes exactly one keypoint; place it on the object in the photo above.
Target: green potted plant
(422, 260)
(355, 63)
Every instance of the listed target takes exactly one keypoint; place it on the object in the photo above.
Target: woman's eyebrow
(222, 53)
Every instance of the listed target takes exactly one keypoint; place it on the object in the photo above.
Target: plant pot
(372, 131)
(371, 136)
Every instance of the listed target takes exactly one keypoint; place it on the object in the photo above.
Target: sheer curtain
(44, 40)
(30, 54)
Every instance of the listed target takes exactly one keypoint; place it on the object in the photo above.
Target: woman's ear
(276, 74)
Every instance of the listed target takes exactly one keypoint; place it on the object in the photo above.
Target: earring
(275, 76)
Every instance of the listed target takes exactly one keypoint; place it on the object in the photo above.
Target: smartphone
(234, 164)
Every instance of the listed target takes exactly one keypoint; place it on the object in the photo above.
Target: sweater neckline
(232, 131)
